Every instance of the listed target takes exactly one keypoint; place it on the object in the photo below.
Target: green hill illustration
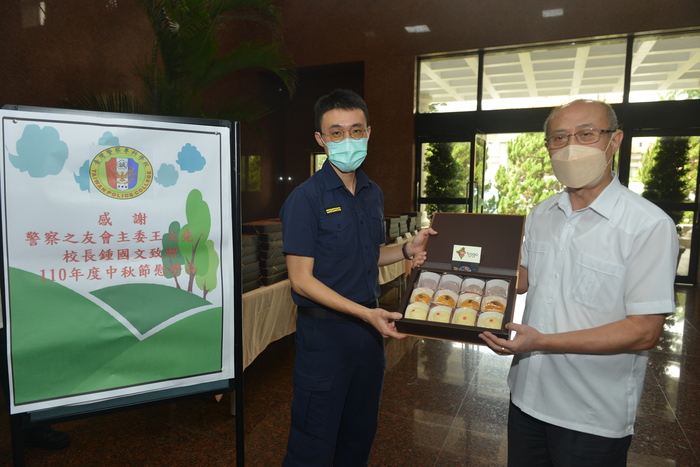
(65, 344)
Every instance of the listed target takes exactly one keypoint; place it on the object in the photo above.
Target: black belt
(327, 313)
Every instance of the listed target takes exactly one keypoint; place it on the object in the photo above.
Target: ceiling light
(419, 28)
(553, 12)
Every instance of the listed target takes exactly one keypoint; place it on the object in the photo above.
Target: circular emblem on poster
(121, 173)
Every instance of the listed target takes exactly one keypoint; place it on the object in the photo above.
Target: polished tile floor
(444, 404)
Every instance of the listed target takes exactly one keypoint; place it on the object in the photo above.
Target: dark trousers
(532, 442)
(338, 376)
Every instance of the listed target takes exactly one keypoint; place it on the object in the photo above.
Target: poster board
(119, 257)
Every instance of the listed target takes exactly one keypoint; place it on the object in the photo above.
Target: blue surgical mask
(347, 155)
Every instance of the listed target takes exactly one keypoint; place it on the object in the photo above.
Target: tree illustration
(528, 178)
(188, 248)
(171, 256)
(207, 264)
(194, 233)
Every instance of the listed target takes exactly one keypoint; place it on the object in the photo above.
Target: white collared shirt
(587, 268)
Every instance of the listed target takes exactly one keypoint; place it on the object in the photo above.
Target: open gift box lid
(498, 235)
(495, 241)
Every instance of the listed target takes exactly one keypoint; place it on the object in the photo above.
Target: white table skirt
(268, 314)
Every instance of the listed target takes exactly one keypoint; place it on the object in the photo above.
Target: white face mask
(578, 166)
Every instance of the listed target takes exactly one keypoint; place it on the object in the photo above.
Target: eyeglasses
(339, 135)
(589, 136)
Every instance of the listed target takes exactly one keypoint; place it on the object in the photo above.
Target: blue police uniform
(340, 361)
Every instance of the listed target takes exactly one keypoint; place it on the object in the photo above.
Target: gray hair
(612, 117)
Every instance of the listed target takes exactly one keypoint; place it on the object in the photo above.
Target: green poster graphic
(113, 242)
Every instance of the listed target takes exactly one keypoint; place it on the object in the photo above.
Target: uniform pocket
(376, 218)
(335, 234)
(597, 284)
(311, 407)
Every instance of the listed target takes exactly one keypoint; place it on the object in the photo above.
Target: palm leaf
(103, 102)
(186, 58)
(252, 55)
(242, 110)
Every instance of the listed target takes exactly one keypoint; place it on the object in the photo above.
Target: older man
(598, 263)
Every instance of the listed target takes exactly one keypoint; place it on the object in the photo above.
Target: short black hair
(339, 99)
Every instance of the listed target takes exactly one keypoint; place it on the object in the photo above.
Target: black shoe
(46, 438)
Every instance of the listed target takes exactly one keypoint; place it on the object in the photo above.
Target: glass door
(476, 201)
(664, 169)
(444, 178)
(452, 177)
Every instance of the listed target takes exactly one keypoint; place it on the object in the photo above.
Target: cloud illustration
(40, 152)
(108, 139)
(82, 178)
(167, 175)
(189, 159)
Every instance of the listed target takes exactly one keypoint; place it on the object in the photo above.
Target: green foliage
(251, 173)
(528, 178)
(207, 264)
(446, 174)
(681, 95)
(109, 102)
(186, 59)
(187, 249)
(693, 155)
(195, 233)
(665, 173)
(171, 255)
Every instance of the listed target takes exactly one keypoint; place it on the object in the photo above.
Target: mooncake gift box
(273, 270)
(250, 244)
(271, 245)
(250, 286)
(268, 237)
(396, 223)
(250, 281)
(467, 285)
(392, 225)
(273, 279)
(267, 255)
(250, 239)
(411, 220)
(273, 261)
(251, 265)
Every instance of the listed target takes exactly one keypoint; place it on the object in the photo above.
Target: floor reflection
(444, 404)
(667, 430)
